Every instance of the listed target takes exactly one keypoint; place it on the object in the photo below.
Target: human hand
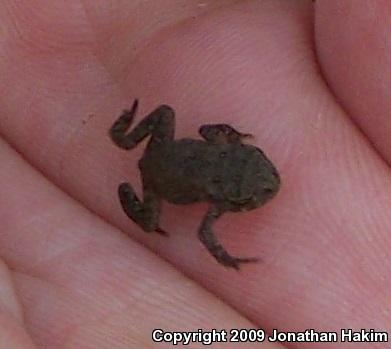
(71, 279)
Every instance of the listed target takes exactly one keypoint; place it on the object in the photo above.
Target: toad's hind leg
(144, 214)
(160, 124)
(209, 240)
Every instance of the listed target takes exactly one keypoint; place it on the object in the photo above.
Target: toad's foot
(234, 262)
(224, 258)
(210, 241)
(144, 214)
(161, 231)
(159, 124)
(222, 134)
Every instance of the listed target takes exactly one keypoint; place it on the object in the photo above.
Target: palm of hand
(70, 277)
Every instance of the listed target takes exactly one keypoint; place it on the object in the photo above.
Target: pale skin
(75, 269)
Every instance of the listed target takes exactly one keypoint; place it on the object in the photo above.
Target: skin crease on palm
(309, 81)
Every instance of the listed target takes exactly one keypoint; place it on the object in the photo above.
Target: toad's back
(189, 170)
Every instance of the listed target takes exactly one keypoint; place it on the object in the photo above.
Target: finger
(13, 335)
(12, 332)
(352, 40)
(79, 279)
(9, 303)
(314, 235)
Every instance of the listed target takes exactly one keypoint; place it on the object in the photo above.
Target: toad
(219, 169)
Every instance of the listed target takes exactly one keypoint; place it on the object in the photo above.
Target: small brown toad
(220, 170)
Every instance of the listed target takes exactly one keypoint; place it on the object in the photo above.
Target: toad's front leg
(221, 134)
(160, 124)
(144, 214)
(209, 240)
